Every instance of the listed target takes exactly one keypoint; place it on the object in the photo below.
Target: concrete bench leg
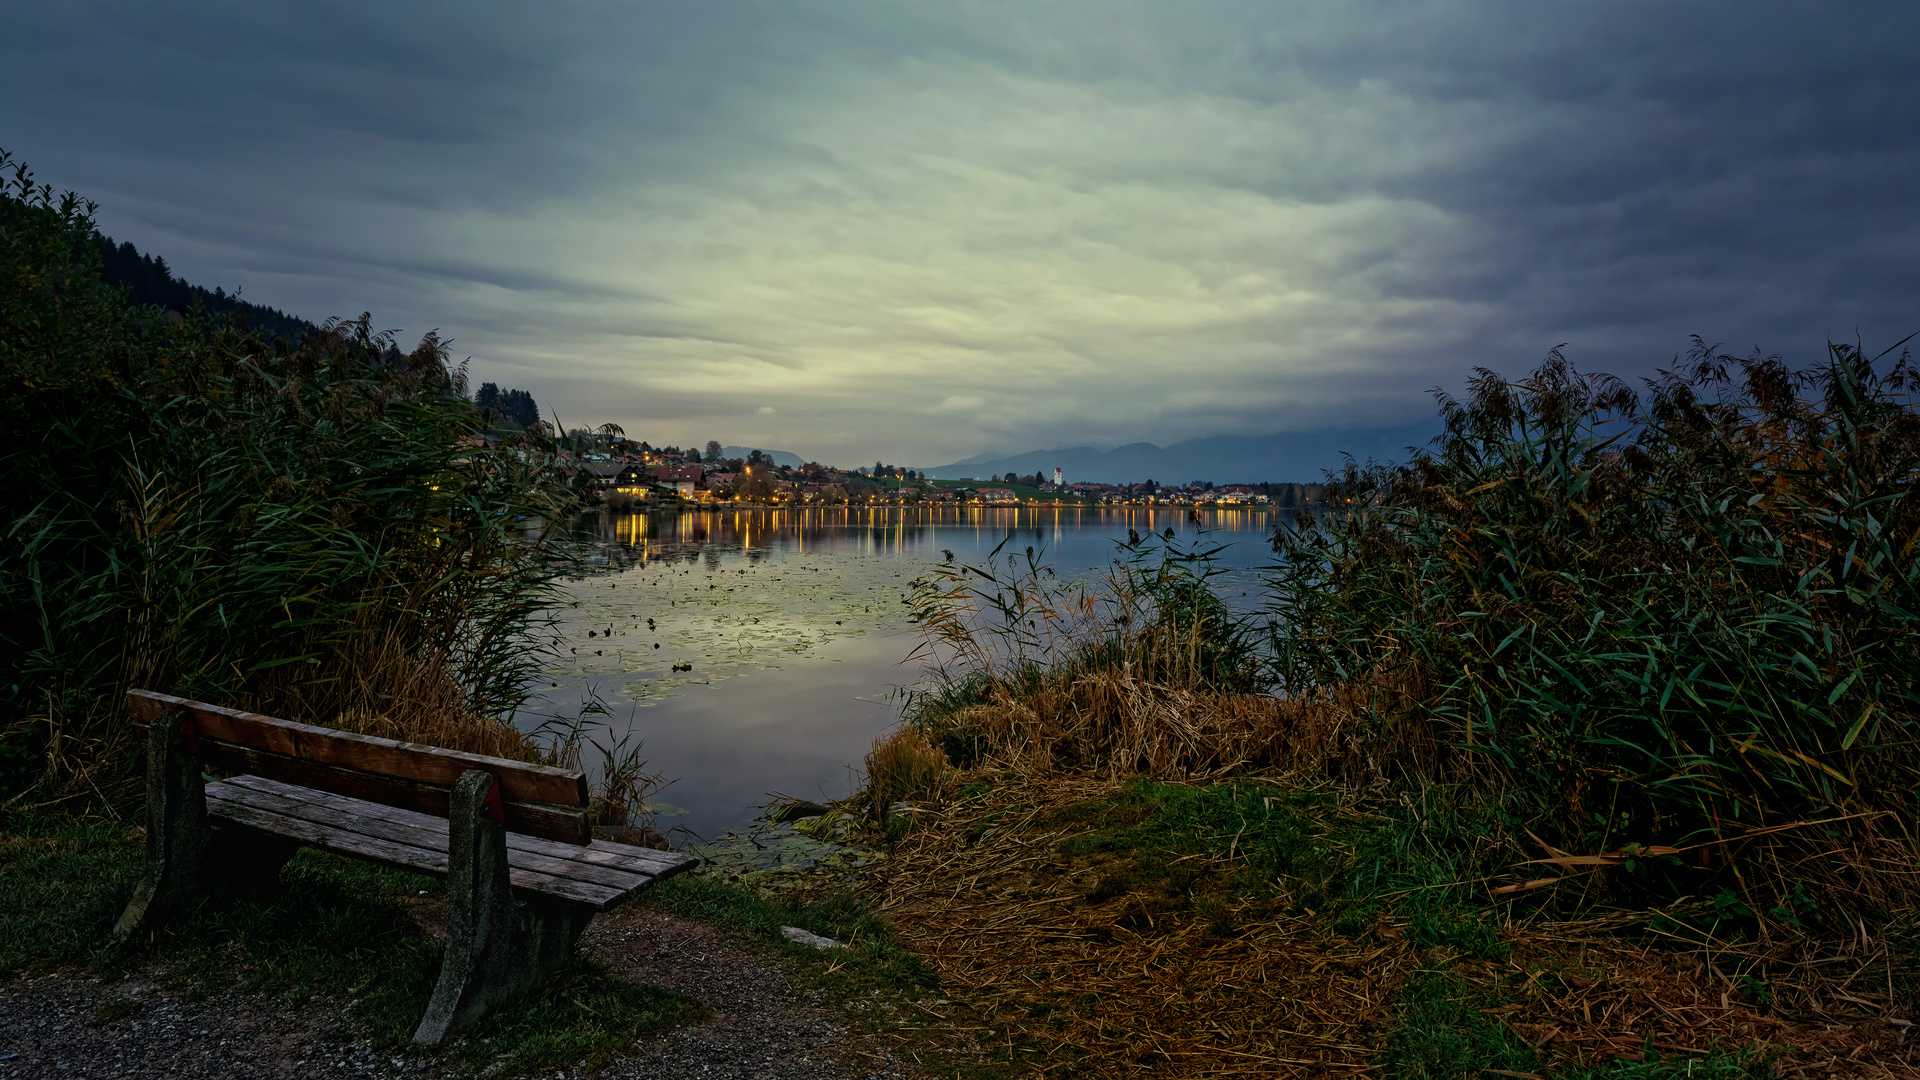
(498, 947)
(189, 856)
(177, 835)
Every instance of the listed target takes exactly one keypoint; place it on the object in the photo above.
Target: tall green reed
(1146, 671)
(1681, 616)
(297, 526)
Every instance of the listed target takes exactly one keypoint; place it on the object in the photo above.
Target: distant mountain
(779, 457)
(1222, 459)
(149, 280)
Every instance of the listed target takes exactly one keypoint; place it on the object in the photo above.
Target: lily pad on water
(724, 619)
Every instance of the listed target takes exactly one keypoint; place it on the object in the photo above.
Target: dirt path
(70, 1026)
(761, 1026)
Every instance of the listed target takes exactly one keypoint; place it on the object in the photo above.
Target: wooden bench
(524, 873)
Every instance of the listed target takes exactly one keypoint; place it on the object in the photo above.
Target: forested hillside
(150, 281)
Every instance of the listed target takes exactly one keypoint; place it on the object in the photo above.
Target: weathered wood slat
(555, 823)
(606, 853)
(402, 855)
(599, 852)
(379, 822)
(405, 856)
(412, 761)
(420, 830)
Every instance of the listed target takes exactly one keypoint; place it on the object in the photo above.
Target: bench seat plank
(600, 853)
(405, 856)
(418, 842)
(404, 826)
(603, 853)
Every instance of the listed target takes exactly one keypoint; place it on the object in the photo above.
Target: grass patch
(1160, 836)
(583, 1014)
(339, 927)
(873, 958)
(1102, 928)
(1181, 848)
(63, 881)
(1441, 1032)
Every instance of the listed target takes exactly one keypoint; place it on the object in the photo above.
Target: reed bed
(1674, 636)
(303, 528)
(1144, 673)
(1635, 669)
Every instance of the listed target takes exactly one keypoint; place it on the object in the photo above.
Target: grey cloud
(1100, 222)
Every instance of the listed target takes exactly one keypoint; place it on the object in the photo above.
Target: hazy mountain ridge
(1223, 459)
(778, 457)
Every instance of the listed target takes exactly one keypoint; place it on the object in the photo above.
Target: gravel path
(69, 1026)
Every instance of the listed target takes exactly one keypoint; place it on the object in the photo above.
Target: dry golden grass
(1599, 998)
(378, 686)
(1090, 989)
(1074, 982)
(1111, 722)
(904, 764)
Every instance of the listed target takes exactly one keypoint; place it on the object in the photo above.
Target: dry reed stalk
(905, 765)
(1110, 722)
(1012, 935)
(1595, 997)
(377, 685)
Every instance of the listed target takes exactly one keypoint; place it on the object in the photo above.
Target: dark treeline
(515, 405)
(149, 280)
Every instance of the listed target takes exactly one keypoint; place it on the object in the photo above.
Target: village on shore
(625, 475)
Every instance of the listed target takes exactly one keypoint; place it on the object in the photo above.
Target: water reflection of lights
(898, 530)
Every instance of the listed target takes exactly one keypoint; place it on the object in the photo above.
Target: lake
(760, 651)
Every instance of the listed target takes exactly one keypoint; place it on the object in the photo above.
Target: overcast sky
(916, 232)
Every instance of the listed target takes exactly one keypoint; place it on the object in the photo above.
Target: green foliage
(1441, 1034)
(198, 510)
(1184, 626)
(1659, 619)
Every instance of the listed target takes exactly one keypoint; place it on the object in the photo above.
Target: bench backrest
(540, 800)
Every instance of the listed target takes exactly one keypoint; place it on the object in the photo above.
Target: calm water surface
(789, 635)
